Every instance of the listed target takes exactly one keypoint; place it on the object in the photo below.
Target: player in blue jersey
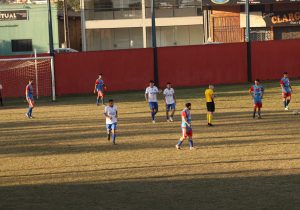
(99, 89)
(186, 127)
(29, 98)
(257, 92)
(286, 90)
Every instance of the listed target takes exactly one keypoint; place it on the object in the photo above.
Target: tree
(73, 5)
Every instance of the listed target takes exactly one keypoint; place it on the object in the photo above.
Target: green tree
(73, 5)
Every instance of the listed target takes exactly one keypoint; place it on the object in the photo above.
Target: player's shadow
(78, 144)
(215, 190)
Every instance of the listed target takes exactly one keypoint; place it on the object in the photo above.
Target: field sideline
(62, 160)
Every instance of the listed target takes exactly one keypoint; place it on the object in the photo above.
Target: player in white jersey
(111, 115)
(151, 97)
(170, 101)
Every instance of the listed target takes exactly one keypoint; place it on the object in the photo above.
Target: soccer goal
(15, 73)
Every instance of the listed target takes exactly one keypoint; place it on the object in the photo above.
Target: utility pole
(66, 25)
(50, 31)
(155, 58)
(248, 41)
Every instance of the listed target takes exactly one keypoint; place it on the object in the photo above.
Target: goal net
(15, 73)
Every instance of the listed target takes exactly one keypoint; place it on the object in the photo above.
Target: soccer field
(62, 160)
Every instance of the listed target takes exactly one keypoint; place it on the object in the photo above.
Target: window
(109, 5)
(21, 45)
(175, 8)
(254, 8)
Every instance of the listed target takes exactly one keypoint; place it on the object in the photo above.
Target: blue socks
(114, 136)
(153, 115)
(29, 113)
(284, 103)
(191, 143)
(179, 143)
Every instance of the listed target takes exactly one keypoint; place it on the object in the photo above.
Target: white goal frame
(36, 71)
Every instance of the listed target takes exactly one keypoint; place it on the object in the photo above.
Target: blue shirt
(286, 85)
(29, 91)
(99, 84)
(257, 92)
(187, 114)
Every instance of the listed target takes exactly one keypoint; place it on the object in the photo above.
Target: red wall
(122, 70)
(132, 69)
(76, 73)
(270, 59)
(200, 65)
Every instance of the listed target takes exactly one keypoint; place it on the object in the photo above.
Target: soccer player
(111, 115)
(210, 104)
(1, 88)
(170, 101)
(257, 91)
(29, 98)
(186, 127)
(151, 97)
(286, 90)
(99, 89)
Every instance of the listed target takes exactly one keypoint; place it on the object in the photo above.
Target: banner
(239, 2)
(13, 15)
(282, 18)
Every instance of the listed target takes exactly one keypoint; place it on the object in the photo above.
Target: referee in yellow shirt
(210, 104)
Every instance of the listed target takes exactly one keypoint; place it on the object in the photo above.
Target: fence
(75, 73)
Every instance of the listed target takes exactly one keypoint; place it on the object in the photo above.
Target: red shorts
(285, 95)
(100, 93)
(187, 132)
(30, 102)
(257, 105)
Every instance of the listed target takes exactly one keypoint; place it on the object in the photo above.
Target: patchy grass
(62, 160)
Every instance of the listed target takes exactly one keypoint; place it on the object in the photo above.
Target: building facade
(124, 24)
(24, 28)
(269, 20)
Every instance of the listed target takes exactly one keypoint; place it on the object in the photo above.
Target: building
(269, 20)
(124, 24)
(73, 28)
(24, 27)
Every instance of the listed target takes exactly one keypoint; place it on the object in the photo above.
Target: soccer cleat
(27, 115)
(168, 120)
(209, 124)
(192, 148)
(153, 121)
(171, 119)
(177, 147)
(259, 117)
(286, 108)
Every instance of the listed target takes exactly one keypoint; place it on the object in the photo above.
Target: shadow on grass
(191, 93)
(177, 192)
(40, 147)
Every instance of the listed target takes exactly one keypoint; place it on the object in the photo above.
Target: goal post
(15, 73)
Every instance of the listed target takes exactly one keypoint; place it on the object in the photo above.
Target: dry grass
(61, 159)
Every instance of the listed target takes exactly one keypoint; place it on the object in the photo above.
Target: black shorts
(210, 106)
